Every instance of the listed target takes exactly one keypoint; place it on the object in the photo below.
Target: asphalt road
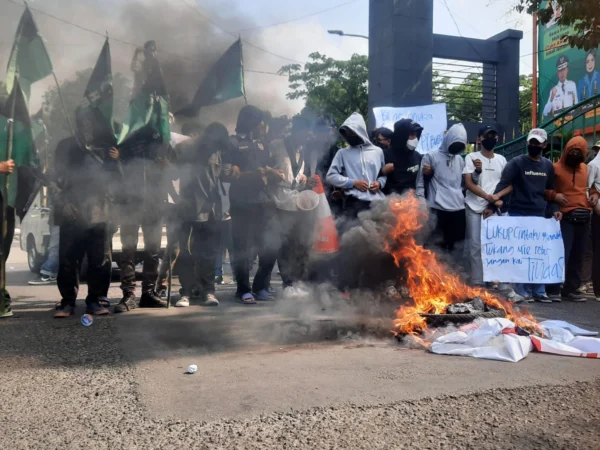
(313, 373)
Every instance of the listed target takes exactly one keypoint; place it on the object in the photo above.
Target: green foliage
(464, 102)
(72, 92)
(331, 87)
(583, 15)
(525, 106)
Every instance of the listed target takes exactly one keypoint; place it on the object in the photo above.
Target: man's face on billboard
(563, 74)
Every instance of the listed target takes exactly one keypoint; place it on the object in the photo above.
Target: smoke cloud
(188, 45)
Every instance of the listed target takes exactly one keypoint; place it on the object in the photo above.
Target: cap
(597, 146)
(487, 129)
(562, 62)
(538, 134)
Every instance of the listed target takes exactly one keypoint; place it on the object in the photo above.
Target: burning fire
(429, 283)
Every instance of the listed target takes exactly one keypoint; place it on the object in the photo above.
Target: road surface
(307, 374)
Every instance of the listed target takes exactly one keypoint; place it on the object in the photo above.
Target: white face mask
(412, 144)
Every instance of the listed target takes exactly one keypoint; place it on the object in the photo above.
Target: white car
(35, 235)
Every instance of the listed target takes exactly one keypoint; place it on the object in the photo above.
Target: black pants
(588, 259)
(352, 207)
(198, 243)
(451, 225)
(574, 239)
(296, 233)
(7, 240)
(152, 232)
(596, 250)
(75, 243)
(254, 227)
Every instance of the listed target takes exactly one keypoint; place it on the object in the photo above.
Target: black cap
(487, 129)
(562, 62)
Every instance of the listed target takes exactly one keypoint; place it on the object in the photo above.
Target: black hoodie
(406, 162)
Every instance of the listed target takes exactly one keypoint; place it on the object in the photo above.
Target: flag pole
(534, 90)
(9, 146)
(62, 102)
(243, 72)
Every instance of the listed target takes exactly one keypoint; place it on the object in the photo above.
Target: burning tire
(440, 320)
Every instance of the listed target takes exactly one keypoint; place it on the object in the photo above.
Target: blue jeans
(529, 290)
(224, 244)
(50, 267)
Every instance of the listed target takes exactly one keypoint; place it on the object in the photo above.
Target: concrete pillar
(507, 82)
(400, 53)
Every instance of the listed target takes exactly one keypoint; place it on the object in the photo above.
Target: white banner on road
(432, 118)
(522, 250)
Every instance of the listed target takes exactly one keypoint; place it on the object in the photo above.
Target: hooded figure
(356, 169)
(571, 176)
(405, 161)
(445, 185)
(571, 180)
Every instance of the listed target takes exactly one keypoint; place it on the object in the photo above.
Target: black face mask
(354, 141)
(574, 160)
(456, 148)
(489, 143)
(534, 150)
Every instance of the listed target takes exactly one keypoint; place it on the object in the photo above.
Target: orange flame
(429, 283)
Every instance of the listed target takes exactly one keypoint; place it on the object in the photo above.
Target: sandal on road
(96, 309)
(63, 312)
(247, 299)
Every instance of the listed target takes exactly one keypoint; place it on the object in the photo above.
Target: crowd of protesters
(239, 195)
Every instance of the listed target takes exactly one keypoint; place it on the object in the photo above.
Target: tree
(525, 107)
(72, 91)
(583, 15)
(465, 101)
(332, 87)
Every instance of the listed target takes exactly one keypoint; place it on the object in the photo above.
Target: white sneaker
(183, 302)
(211, 300)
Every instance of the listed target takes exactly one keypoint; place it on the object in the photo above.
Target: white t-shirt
(488, 179)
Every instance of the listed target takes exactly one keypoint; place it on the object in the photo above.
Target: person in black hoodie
(253, 213)
(402, 161)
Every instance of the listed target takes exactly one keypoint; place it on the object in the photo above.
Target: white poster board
(522, 250)
(432, 118)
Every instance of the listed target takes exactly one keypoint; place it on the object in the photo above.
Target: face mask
(456, 148)
(489, 143)
(534, 150)
(412, 144)
(354, 141)
(574, 160)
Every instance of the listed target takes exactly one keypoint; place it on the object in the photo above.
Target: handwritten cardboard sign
(522, 250)
(432, 118)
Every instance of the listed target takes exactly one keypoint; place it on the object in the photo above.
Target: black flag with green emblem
(225, 81)
(94, 117)
(29, 59)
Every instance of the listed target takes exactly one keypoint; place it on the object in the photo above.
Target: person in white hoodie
(442, 171)
(357, 168)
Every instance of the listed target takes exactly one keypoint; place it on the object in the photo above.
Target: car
(35, 236)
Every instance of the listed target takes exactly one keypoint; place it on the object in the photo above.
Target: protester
(296, 224)
(571, 179)
(190, 131)
(357, 168)
(84, 212)
(383, 138)
(594, 183)
(482, 174)
(526, 178)
(441, 177)
(49, 269)
(7, 167)
(144, 194)
(253, 214)
(201, 212)
(402, 161)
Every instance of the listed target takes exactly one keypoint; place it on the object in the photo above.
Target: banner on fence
(432, 118)
(522, 250)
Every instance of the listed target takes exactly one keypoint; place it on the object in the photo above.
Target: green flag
(29, 59)
(148, 114)
(225, 81)
(94, 117)
(22, 150)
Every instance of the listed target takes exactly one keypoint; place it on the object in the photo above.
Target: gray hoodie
(357, 163)
(445, 186)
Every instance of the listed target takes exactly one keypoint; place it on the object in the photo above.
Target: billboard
(567, 76)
